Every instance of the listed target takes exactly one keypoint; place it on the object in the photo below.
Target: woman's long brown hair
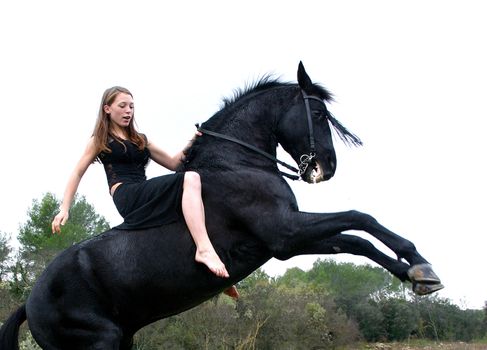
(103, 132)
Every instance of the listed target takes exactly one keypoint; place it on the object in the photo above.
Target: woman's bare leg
(194, 214)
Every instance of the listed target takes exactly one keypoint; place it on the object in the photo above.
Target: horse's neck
(252, 119)
(255, 128)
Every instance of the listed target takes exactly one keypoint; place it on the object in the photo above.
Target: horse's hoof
(424, 289)
(423, 273)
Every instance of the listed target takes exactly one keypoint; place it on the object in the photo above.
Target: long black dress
(142, 203)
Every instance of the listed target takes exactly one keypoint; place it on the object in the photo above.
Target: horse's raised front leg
(299, 231)
(349, 244)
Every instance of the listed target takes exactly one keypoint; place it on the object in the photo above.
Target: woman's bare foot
(212, 261)
(232, 292)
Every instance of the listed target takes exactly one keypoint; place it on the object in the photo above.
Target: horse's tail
(9, 333)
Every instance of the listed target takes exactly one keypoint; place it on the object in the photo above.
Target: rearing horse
(98, 293)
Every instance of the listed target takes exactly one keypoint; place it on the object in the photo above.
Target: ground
(418, 346)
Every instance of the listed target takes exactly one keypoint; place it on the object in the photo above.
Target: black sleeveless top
(126, 163)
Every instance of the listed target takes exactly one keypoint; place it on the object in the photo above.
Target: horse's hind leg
(87, 341)
(103, 339)
(76, 334)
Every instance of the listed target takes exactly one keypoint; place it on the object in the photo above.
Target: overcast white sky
(409, 79)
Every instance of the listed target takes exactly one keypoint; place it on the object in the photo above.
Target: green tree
(400, 318)
(288, 313)
(5, 251)
(358, 290)
(38, 245)
(36, 234)
(268, 315)
(484, 320)
(352, 284)
(256, 278)
(6, 303)
(370, 320)
(294, 277)
(443, 320)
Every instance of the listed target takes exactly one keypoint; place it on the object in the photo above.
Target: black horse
(98, 293)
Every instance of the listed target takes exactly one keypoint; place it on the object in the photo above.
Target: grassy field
(421, 345)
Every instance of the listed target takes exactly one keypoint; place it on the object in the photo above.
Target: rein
(305, 159)
(255, 149)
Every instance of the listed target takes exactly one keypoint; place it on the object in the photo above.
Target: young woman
(142, 203)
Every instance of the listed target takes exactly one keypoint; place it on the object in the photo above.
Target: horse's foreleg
(315, 227)
(355, 245)
(299, 230)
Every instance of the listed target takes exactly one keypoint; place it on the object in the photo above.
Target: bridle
(305, 159)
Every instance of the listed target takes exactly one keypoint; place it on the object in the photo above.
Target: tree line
(331, 305)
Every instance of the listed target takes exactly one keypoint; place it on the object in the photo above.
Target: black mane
(269, 82)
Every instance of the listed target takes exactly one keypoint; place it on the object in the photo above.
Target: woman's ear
(106, 109)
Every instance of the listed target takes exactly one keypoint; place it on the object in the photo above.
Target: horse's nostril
(329, 168)
(332, 165)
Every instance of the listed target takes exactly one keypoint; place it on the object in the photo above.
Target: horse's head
(304, 131)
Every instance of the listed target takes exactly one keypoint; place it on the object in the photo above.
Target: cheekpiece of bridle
(305, 159)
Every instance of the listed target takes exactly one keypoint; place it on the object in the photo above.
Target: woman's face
(121, 111)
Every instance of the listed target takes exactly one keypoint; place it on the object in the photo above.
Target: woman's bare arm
(86, 159)
(161, 157)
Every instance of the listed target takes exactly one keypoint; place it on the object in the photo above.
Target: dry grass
(421, 346)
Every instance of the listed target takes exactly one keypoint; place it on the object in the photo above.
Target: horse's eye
(319, 114)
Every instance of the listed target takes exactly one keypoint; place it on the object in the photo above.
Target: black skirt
(150, 203)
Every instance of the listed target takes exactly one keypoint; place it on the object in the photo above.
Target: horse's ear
(304, 80)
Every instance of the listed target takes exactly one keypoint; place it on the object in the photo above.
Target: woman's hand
(188, 146)
(59, 219)
(161, 157)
